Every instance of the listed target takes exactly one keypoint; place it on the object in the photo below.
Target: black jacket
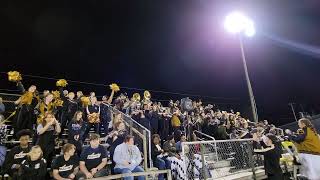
(154, 152)
(35, 170)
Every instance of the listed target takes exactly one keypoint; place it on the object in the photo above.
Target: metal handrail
(214, 144)
(118, 176)
(141, 126)
(208, 136)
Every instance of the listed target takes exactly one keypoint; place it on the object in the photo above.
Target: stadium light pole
(237, 23)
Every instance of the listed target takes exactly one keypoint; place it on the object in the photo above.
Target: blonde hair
(67, 147)
(308, 124)
(34, 148)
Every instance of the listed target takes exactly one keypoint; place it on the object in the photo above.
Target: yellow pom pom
(85, 100)
(58, 102)
(56, 94)
(40, 119)
(14, 76)
(62, 83)
(114, 87)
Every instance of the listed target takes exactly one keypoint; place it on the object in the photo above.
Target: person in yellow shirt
(308, 144)
(307, 139)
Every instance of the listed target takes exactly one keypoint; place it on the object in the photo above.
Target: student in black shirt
(76, 130)
(272, 155)
(70, 106)
(94, 159)
(66, 166)
(105, 112)
(34, 167)
(17, 154)
(92, 109)
(46, 131)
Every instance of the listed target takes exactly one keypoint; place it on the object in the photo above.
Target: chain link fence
(217, 159)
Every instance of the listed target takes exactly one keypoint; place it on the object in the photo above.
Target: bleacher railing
(144, 135)
(217, 159)
(150, 174)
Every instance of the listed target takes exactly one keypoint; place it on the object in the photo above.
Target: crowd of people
(45, 117)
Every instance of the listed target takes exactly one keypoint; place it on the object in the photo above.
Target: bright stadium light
(236, 22)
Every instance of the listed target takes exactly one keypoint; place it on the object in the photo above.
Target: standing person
(164, 124)
(2, 107)
(70, 107)
(105, 114)
(76, 130)
(45, 106)
(78, 100)
(127, 157)
(154, 119)
(175, 120)
(26, 103)
(66, 166)
(183, 138)
(46, 131)
(34, 166)
(17, 154)
(272, 155)
(93, 159)
(93, 112)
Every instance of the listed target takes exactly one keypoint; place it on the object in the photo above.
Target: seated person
(34, 166)
(66, 166)
(159, 158)
(170, 146)
(93, 159)
(17, 154)
(127, 157)
(178, 144)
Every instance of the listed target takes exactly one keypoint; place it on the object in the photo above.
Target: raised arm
(110, 97)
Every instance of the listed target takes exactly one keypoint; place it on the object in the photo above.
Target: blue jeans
(126, 170)
(161, 165)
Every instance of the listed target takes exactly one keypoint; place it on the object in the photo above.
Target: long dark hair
(75, 116)
(276, 142)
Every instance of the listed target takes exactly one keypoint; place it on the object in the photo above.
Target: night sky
(177, 46)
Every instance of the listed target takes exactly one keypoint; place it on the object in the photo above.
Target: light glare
(236, 22)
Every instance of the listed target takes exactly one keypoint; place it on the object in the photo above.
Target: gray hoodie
(129, 153)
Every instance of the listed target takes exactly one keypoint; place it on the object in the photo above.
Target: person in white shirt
(127, 157)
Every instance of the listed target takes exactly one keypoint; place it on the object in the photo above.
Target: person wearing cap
(66, 166)
(94, 159)
(17, 154)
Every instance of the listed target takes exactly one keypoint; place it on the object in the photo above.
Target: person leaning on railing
(307, 141)
(308, 144)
